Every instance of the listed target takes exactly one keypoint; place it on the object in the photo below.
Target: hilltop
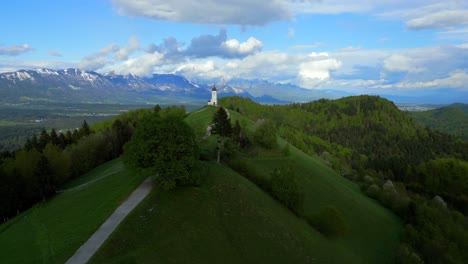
(451, 119)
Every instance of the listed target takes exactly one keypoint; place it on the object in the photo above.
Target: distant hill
(452, 119)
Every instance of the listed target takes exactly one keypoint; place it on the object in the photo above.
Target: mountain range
(75, 85)
(78, 86)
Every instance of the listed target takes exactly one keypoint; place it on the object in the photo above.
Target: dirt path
(87, 250)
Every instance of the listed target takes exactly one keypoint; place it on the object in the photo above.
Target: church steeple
(214, 96)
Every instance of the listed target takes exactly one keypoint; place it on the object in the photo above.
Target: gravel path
(87, 250)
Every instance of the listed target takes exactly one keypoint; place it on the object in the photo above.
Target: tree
(157, 108)
(285, 188)
(165, 145)
(265, 135)
(221, 126)
(84, 130)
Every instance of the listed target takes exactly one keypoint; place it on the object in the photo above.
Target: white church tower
(214, 96)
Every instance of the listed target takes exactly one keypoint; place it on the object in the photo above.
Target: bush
(329, 221)
(284, 187)
(265, 134)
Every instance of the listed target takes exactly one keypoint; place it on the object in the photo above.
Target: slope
(229, 219)
(452, 119)
(51, 232)
(225, 220)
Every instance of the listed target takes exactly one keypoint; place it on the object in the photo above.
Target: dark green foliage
(221, 124)
(369, 136)
(37, 172)
(85, 130)
(157, 108)
(167, 146)
(284, 187)
(452, 119)
(329, 221)
(265, 133)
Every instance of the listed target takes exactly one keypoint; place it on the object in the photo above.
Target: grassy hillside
(225, 220)
(51, 232)
(230, 219)
(452, 119)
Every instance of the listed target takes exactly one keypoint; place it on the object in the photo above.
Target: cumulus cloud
(224, 12)
(15, 50)
(317, 69)
(219, 45)
(234, 48)
(54, 53)
(141, 66)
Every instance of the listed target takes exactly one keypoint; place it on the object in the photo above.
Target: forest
(420, 174)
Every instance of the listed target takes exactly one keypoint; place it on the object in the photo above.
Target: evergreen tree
(221, 126)
(85, 130)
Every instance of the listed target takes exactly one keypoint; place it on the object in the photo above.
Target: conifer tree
(222, 128)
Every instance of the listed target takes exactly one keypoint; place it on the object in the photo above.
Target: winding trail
(87, 250)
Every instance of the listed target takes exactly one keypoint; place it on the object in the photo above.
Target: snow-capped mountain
(74, 85)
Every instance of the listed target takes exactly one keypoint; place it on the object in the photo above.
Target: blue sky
(360, 46)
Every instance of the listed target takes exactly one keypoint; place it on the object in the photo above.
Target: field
(51, 232)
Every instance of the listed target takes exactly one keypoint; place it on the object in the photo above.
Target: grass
(227, 219)
(373, 231)
(52, 231)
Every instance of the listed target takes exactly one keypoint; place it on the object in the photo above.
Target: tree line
(37, 171)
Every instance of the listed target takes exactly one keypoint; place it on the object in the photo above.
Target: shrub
(265, 134)
(329, 221)
(284, 187)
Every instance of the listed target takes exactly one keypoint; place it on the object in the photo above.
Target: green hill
(230, 219)
(452, 119)
(51, 232)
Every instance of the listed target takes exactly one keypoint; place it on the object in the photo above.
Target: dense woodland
(421, 174)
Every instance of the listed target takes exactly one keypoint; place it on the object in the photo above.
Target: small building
(214, 96)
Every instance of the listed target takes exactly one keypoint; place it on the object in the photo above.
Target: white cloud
(132, 46)
(141, 66)
(430, 14)
(236, 48)
(15, 50)
(240, 12)
(441, 19)
(102, 58)
(317, 70)
(400, 63)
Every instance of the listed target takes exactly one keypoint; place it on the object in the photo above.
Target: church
(214, 96)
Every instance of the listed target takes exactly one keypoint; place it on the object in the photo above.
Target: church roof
(214, 88)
